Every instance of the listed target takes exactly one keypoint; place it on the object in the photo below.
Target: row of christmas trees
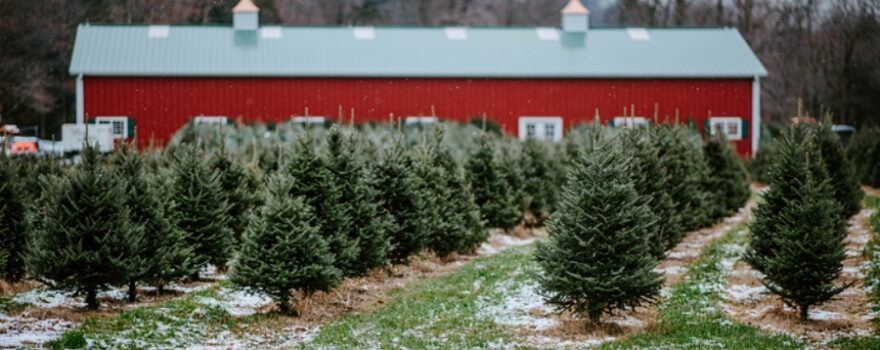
(629, 197)
(333, 204)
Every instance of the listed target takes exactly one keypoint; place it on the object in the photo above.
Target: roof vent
(270, 33)
(158, 32)
(575, 17)
(547, 34)
(456, 33)
(364, 33)
(638, 34)
(245, 16)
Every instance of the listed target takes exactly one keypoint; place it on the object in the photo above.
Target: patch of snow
(288, 337)
(822, 315)
(671, 270)
(211, 272)
(852, 270)
(852, 253)
(237, 302)
(47, 298)
(487, 249)
(16, 332)
(744, 292)
(510, 241)
(516, 307)
(682, 255)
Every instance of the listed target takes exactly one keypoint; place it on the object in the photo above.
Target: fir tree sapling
(651, 182)
(398, 192)
(238, 187)
(728, 180)
(539, 183)
(283, 249)
(178, 255)
(13, 230)
(358, 202)
(492, 193)
(797, 236)
(87, 207)
(684, 164)
(597, 259)
(202, 210)
(313, 181)
(841, 171)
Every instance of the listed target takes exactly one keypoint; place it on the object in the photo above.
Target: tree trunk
(92, 297)
(284, 303)
(160, 288)
(805, 312)
(132, 291)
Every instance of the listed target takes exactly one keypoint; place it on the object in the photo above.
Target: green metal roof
(113, 50)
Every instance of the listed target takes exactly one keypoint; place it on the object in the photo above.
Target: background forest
(823, 51)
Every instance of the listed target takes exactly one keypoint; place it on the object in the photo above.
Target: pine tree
(238, 187)
(597, 258)
(651, 182)
(178, 255)
(538, 178)
(202, 209)
(728, 180)
(283, 249)
(797, 236)
(398, 192)
(13, 230)
(358, 202)
(841, 171)
(687, 170)
(86, 207)
(496, 200)
(313, 181)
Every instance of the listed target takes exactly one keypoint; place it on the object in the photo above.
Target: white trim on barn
(756, 115)
(724, 124)
(80, 101)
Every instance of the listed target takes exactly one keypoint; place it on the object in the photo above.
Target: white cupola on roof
(575, 17)
(245, 16)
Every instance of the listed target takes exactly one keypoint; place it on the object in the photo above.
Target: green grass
(437, 313)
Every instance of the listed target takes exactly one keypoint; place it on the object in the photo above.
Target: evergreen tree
(13, 230)
(401, 202)
(651, 182)
(358, 201)
(283, 249)
(492, 193)
(728, 180)
(538, 178)
(797, 236)
(759, 167)
(841, 171)
(178, 255)
(203, 210)
(860, 151)
(238, 187)
(683, 161)
(597, 258)
(313, 181)
(86, 207)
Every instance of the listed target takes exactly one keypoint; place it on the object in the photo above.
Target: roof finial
(245, 6)
(575, 7)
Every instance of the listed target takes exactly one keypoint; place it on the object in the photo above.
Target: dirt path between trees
(568, 331)
(848, 314)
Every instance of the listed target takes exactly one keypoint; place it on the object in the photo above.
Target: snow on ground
(25, 331)
(285, 339)
(498, 242)
(518, 306)
(46, 298)
(237, 302)
(742, 292)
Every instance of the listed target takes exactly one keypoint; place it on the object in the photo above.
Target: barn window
(118, 126)
(540, 128)
(417, 120)
(204, 119)
(630, 121)
(731, 127)
(308, 120)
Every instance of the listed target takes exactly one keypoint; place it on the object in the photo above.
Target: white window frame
(630, 121)
(540, 123)
(308, 120)
(112, 122)
(724, 122)
(211, 119)
(419, 120)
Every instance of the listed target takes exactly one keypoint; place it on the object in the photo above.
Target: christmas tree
(87, 207)
(283, 249)
(728, 180)
(178, 255)
(651, 182)
(399, 194)
(597, 258)
(797, 236)
(683, 160)
(840, 169)
(13, 230)
(202, 210)
(239, 188)
(539, 183)
(492, 193)
(358, 202)
(312, 180)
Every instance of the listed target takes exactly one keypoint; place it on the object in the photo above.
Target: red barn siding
(162, 105)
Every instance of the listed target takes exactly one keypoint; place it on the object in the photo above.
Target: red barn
(535, 82)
